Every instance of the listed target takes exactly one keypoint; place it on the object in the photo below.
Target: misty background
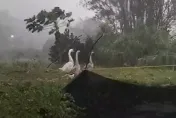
(12, 15)
(133, 34)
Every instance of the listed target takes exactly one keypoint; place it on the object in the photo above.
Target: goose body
(70, 64)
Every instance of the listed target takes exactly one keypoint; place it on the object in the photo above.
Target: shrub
(44, 100)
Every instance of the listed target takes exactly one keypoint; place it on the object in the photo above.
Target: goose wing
(67, 67)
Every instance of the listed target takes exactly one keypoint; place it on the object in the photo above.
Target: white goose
(90, 65)
(77, 68)
(70, 64)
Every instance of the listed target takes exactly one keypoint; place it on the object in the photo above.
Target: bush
(44, 100)
(118, 50)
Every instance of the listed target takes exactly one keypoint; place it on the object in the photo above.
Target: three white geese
(76, 69)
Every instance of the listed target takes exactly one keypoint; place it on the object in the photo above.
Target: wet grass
(31, 72)
(147, 76)
(36, 73)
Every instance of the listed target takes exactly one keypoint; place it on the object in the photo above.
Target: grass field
(27, 87)
(36, 73)
(146, 76)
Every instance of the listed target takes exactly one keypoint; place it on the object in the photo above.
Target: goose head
(78, 51)
(71, 50)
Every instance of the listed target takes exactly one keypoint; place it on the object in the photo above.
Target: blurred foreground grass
(26, 88)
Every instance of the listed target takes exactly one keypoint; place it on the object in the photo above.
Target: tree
(52, 20)
(134, 29)
(125, 15)
(61, 46)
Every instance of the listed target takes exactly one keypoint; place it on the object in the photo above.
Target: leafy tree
(119, 50)
(54, 19)
(61, 46)
(67, 41)
(134, 29)
(126, 15)
(50, 19)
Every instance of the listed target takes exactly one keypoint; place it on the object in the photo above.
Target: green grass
(35, 73)
(25, 88)
(31, 72)
(146, 76)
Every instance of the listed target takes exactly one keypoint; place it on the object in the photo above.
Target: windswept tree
(51, 21)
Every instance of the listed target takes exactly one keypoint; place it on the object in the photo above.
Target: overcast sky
(26, 8)
(22, 9)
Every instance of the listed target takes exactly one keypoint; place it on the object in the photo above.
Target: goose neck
(90, 59)
(77, 60)
(70, 57)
